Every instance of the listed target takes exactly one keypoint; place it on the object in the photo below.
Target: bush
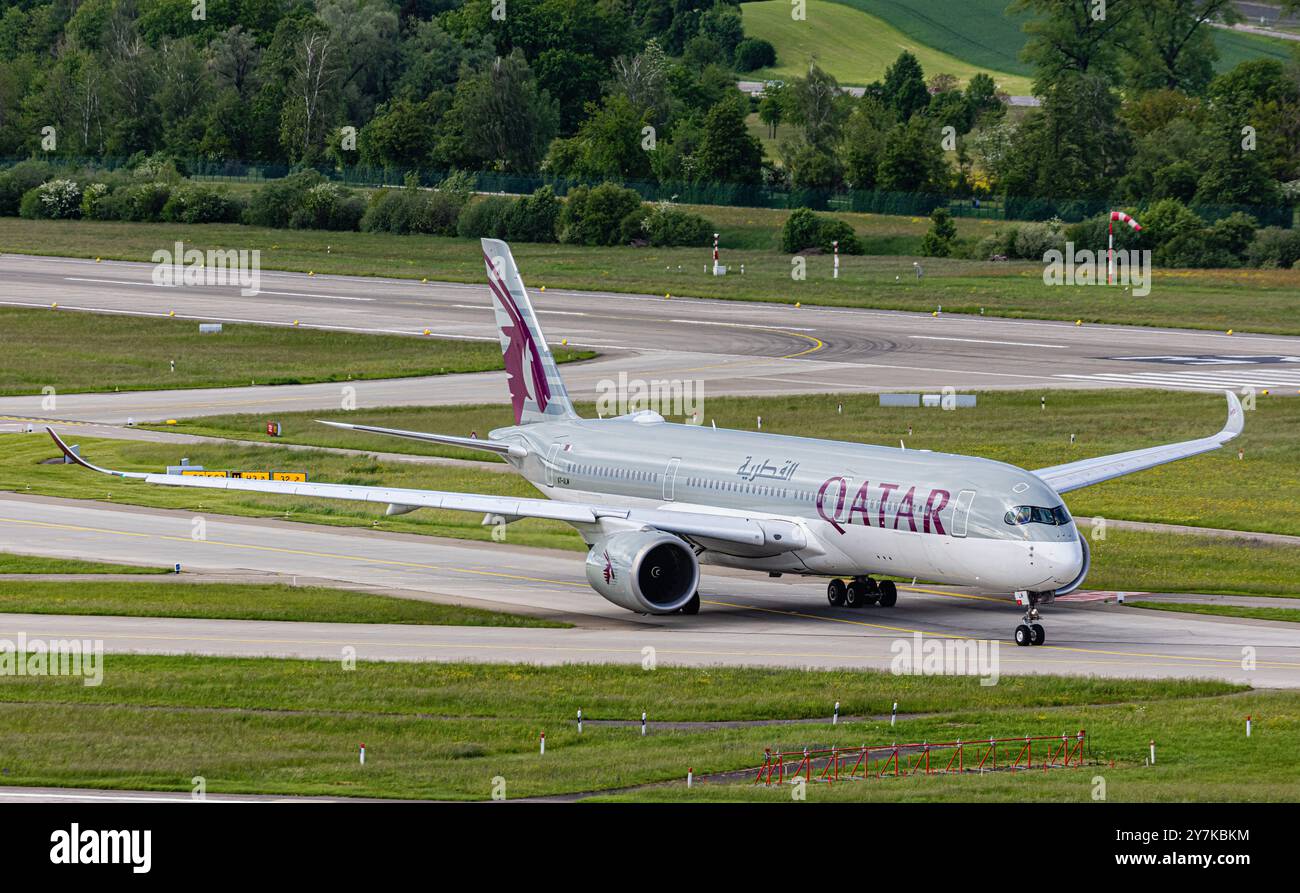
(487, 219)
(595, 216)
(139, 202)
(328, 206)
(415, 210)
(93, 206)
(803, 230)
(196, 203)
(939, 238)
(753, 53)
(534, 217)
(53, 200)
(1274, 247)
(275, 203)
(20, 179)
(666, 227)
(1034, 240)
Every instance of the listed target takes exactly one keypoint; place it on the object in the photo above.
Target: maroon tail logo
(520, 351)
(609, 568)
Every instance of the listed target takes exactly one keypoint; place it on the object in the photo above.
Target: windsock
(1110, 240)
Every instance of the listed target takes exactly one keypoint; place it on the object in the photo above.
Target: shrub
(939, 238)
(666, 226)
(533, 218)
(803, 230)
(753, 53)
(18, 181)
(1033, 240)
(594, 216)
(1274, 247)
(327, 206)
(93, 206)
(53, 200)
(139, 202)
(196, 203)
(415, 210)
(275, 203)
(487, 219)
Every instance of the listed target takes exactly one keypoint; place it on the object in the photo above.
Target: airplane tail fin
(536, 390)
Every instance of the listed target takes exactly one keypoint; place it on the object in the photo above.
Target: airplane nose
(1063, 561)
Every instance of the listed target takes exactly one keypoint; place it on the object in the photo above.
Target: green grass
(36, 564)
(852, 45)
(447, 730)
(132, 353)
(1243, 300)
(1212, 490)
(982, 34)
(1138, 561)
(1290, 615)
(242, 601)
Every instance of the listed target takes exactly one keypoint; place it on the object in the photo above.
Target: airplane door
(961, 512)
(551, 459)
(670, 479)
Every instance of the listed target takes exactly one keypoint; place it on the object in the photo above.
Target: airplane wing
(1086, 472)
(768, 534)
(472, 443)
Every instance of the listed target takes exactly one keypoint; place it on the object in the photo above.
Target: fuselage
(866, 509)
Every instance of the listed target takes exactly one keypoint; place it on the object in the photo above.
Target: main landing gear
(1030, 632)
(860, 592)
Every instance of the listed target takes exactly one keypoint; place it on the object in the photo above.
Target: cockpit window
(1034, 514)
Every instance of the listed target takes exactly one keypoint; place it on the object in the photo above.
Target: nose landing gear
(1030, 631)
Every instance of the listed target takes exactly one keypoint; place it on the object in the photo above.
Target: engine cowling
(646, 571)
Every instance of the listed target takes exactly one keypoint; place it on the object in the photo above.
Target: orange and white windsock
(1110, 240)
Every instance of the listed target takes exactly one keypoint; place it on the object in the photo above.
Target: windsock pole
(715, 254)
(1110, 241)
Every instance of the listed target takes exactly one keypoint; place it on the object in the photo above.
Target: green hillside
(855, 40)
(853, 46)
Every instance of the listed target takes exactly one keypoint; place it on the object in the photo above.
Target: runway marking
(987, 341)
(287, 294)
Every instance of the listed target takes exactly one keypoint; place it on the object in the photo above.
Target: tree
(754, 53)
(608, 145)
(983, 100)
(819, 107)
(400, 135)
(904, 88)
(864, 140)
(1073, 36)
(315, 77)
(1174, 44)
(912, 158)
(771, 108)
(728, 153)
(939, 238)
(501, 116)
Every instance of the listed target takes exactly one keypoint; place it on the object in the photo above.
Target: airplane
(654, 500)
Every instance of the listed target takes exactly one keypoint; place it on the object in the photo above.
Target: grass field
(241, 601)
(133, 353)
(35, 564)
(1213, 490)
(447, 730)
(1290, 615)
(853, 46)
(1244, 300)
(980, 33)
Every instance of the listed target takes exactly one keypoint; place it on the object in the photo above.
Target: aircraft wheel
(855, 595)
(1024, 635)
(1040, 635)
(888, 594)
(692, 606)
(836, 592)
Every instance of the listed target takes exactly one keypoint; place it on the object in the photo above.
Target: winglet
(1236, 418)
(73, 457)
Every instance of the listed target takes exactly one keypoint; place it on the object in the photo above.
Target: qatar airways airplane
(654, 500)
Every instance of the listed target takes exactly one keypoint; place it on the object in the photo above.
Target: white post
(363, 755)
(1153, 751)
(643, 723)
(690, 776)
(835, 717)
(579, 720)
(1247, 725)
(893, 716)
(836, 246)
(543, 752)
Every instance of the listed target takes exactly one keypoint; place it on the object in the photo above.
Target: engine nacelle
(646, 571)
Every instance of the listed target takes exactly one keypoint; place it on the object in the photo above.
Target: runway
(730, 347)
(746, 619)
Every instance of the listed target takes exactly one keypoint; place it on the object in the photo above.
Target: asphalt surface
(746, 619)
(729, 347)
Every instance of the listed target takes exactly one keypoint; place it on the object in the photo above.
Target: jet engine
(646, 571)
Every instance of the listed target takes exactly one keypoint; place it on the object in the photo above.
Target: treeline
(154, 191)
